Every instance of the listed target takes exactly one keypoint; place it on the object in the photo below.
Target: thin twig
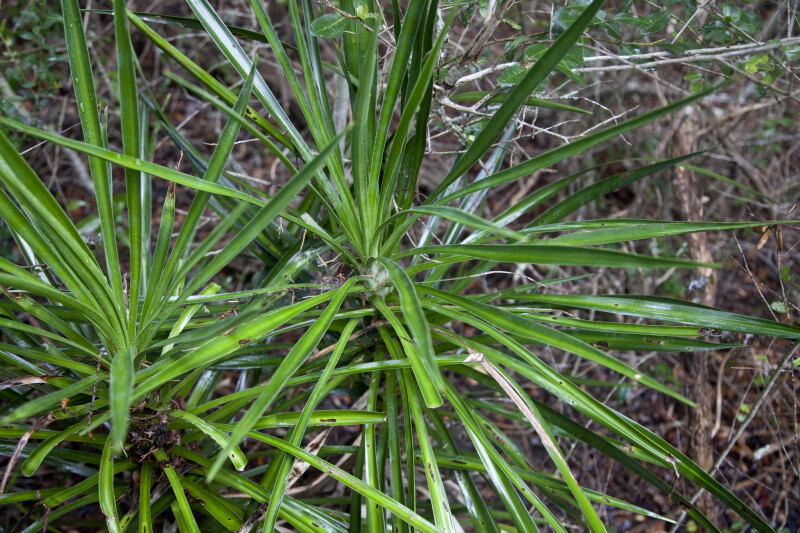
(739, 432)
(707, 54)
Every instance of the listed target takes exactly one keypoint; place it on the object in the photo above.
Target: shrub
(124, 370)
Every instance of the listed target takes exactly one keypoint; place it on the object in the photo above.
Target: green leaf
(467, 219)
(635, 230)
(439, 501)
(133, 163)
(293, 360)
(129, 114)
(121, 392)
(431, 381)
(512, 76)
(301, 423)
(329, 26)
(214, 504)
(526, 328)
(83, 85)
(537, 74)
(65, 388)
(145, 484)
(184, 510)
(105, 487)
(362, 139)
(648, 24)
(592, 192)
(564, 17)
(786, 274)
(671, 310)
(778, 306)
(543, 254)
(792, 53)
(236, 456)
(38, 455)
(559, 154)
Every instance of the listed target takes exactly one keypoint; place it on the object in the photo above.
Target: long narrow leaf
(83, 85)
(129, 113)
(184, 510)
(299, 428)
(236, 456)
(105, 486)
(298, 354)
(536, 75)
(121, 392)
(439, 501)
(255, 225)
(555, 255)
(671, 310)
(212, 175)
(129, 162)
(578, 146)
(418, 325)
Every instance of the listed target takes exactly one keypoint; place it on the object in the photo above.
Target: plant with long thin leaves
(133, 361)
